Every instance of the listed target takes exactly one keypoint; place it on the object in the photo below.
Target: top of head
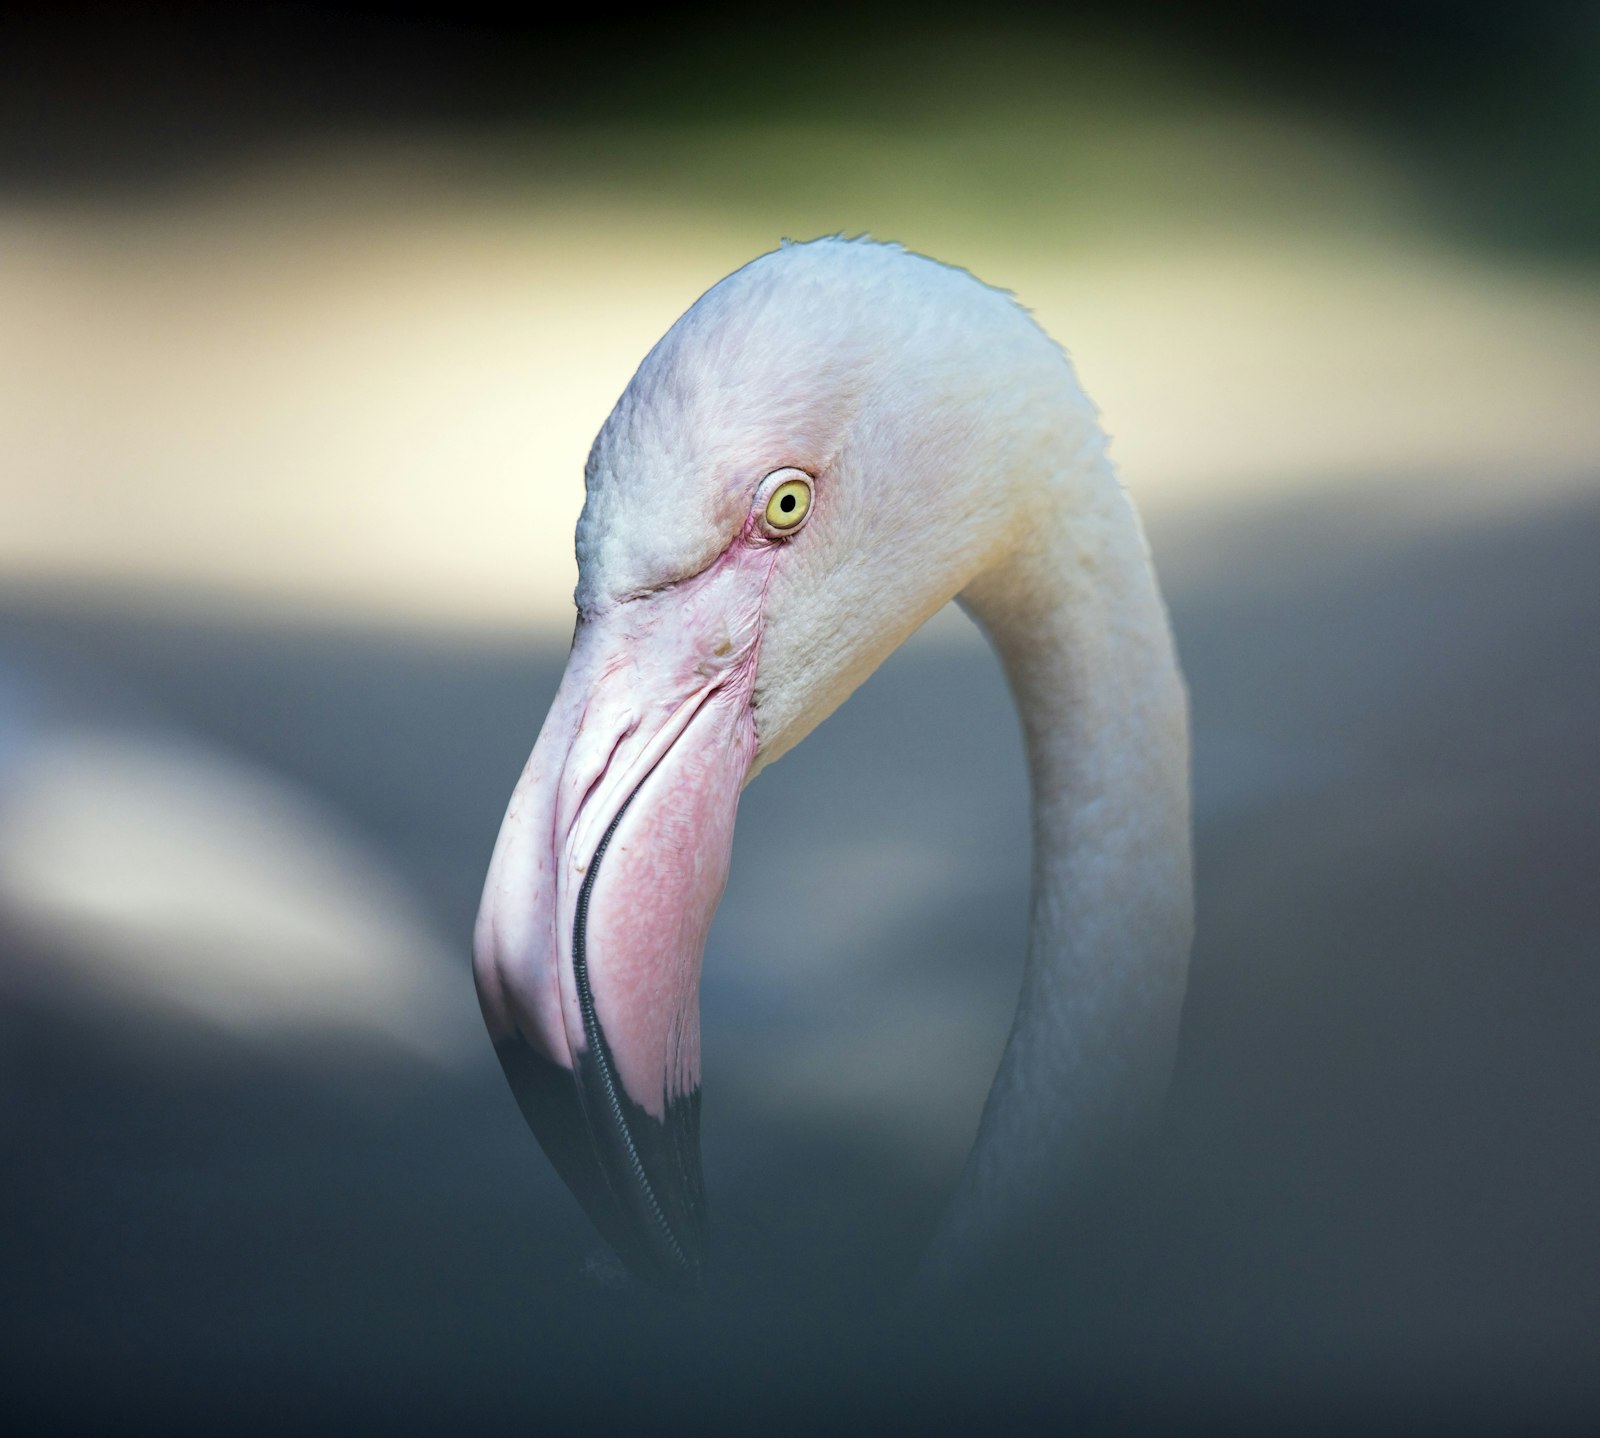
(925, 405)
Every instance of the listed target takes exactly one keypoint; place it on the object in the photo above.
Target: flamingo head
(801, 472)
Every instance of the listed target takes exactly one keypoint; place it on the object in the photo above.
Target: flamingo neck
(1076, 616)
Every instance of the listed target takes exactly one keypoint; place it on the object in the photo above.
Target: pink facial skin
(654, 708)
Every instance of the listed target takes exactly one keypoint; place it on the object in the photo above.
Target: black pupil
(786, 503)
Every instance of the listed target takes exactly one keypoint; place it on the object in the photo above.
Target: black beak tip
(637, 1177)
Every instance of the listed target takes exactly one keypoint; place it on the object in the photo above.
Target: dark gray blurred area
(1375, 1207)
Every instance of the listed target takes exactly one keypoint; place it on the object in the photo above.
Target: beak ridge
(589, 946)
(651, 1165)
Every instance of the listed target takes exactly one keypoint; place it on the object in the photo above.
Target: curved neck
(1078, 621)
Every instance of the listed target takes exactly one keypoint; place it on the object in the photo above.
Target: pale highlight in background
(361, 388)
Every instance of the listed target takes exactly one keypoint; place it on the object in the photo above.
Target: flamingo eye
(788, 505)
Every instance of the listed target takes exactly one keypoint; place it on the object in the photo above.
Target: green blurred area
(1482, 122)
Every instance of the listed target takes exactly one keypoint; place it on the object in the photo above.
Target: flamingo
(828, 446)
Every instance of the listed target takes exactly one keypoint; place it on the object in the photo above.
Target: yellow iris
(788, 504)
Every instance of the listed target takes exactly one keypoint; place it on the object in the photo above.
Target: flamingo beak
(609, 866)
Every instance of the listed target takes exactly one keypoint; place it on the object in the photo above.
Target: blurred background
(308, 314)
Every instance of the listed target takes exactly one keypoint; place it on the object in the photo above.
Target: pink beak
(610, 862)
